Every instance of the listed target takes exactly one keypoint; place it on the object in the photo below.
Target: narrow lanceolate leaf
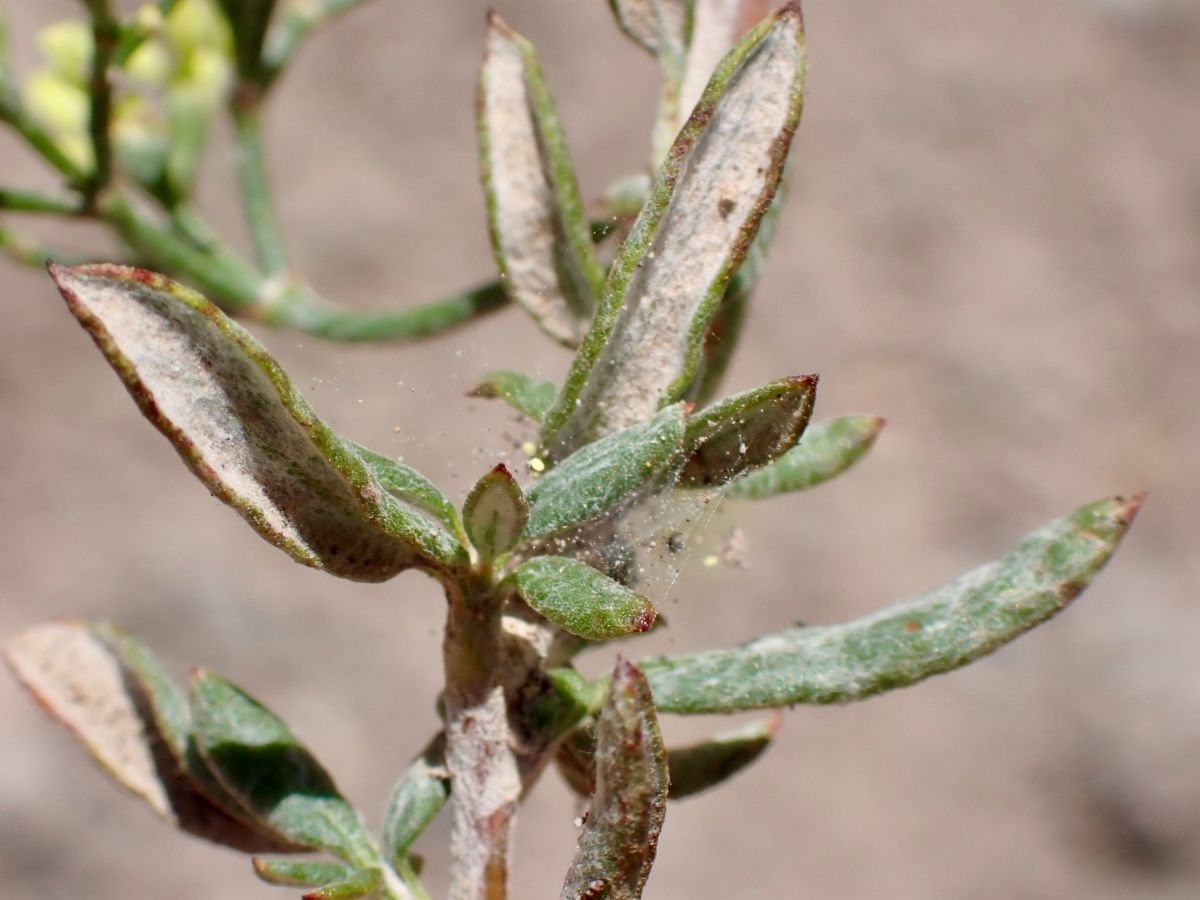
(578, 599)
(245, 431)
(643, 347)
(540, 234)
(260, 762)
(705, 765)
(130, 722)
(826, 450)
(417, 798)
(529, 396)
(361, 885)
(495, 513)
(746, 431)
(906, 643)
(620, 839)
(604, 474)
(289, 873)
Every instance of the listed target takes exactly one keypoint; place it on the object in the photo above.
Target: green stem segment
(256, 191)
(106, 34)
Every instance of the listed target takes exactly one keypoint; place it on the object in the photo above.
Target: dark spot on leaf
(725, 207)
(912, 627)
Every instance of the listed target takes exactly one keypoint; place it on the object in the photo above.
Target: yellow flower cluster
(166, 91)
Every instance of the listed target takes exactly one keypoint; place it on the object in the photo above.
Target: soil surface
(992, 239)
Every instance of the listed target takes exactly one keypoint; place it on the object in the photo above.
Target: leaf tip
(644, 619)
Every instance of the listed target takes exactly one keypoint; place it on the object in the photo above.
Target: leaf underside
(532, 397)
(244, 430)
(903, 644)
(115, 698)
(540, 236)
(645, 341)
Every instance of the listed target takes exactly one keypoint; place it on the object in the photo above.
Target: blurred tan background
(993, 240)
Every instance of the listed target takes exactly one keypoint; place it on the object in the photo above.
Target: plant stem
(220, 274)
(106, 33)
(42, 143)
(35, 202)
(300, 309)
(255, 189)
(486, 785)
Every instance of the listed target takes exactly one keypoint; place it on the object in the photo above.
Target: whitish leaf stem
(484, 774)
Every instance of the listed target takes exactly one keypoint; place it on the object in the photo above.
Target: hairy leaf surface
(604, 474)
(903, 644)
(578, 599)
(643, 347)
(245, 431)
(620, 839)
(540, 235)
(290, 873)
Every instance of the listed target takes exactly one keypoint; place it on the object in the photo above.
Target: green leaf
(705, 765)
(826, 450)
(530, 396)
(602, 475)
(301, 874)
(903, 644)
(364, 883)
(540, 234)
(249, 20)
(112, 694)
(747, 431)
(669, 275)
(260, 762)
(495, 513)
(578, 599)
(619, 842)
(407, 484)
(416, 799)
(245, 431)
(567, 702)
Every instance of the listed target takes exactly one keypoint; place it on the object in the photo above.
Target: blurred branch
(29, 252)
(293, 27)
(35, 202)
(106, 33)
(255, 190)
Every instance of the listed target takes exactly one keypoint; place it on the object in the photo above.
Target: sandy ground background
(993, 240)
